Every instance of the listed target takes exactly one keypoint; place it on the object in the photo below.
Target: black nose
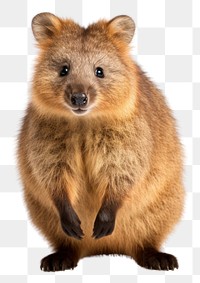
(79, 99)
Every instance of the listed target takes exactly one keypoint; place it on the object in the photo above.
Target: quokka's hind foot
(151, 259)
(59, 261)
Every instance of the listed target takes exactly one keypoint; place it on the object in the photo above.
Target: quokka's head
(83, 72)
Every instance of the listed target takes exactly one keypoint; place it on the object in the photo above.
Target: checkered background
(167, 46)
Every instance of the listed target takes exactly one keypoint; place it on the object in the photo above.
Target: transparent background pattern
(167, 46)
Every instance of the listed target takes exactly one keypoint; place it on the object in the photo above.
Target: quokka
(98, 152)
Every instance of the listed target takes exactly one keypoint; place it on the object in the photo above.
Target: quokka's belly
(119, 242)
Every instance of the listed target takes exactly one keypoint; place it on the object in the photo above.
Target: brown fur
(123, 157)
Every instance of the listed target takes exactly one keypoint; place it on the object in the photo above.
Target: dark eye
(64, 71)
(99, 72)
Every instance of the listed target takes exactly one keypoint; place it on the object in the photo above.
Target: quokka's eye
(99, 72)
(64, 71)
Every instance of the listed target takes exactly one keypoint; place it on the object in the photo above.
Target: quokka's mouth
(79, 111)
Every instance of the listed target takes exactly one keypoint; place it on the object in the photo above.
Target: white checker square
(129, 266)
(14, 41)
(13, 261)
(196, 123)
(188, 150)
(196, 233)
(31, 65)
(178, 41)
(96, 279)
(195, 278)
(12, 207)
(14, 96)
(196, 68)
(148, 15)
(154, 66)
(35, 239)
(7, 151)
(179, 95)
(196, 13)
(185, 260)
(95, 10)
(196, 178)
(37, 6)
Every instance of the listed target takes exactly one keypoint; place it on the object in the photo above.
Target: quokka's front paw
(71, 225)
(104, 224)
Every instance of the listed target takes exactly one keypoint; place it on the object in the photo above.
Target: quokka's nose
(79, 99)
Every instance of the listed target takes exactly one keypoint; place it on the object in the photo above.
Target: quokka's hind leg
(63, 259)
(66, 255)
(151, 258)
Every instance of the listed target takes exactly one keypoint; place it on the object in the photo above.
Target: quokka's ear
(45, 25)
(122, 28)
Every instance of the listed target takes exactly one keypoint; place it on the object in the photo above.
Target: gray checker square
(180, 278)
(34, 257)
(187, 178)
(9, 179)
(196, 41)
(13, 279)
(13, 122)
(151, 41)
(16, 239)
(96, 266)
(196, 96)
(184, 119)
(13, 13)
(196, 153)
(13, 68)
(178, 68)
(69, 9)
(196, 261)
(196, 204)
(181, 236)
(129, 7)
(178, 13)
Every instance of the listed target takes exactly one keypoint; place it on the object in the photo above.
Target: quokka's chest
(85, 151)
(97, 152)
(90, 151)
